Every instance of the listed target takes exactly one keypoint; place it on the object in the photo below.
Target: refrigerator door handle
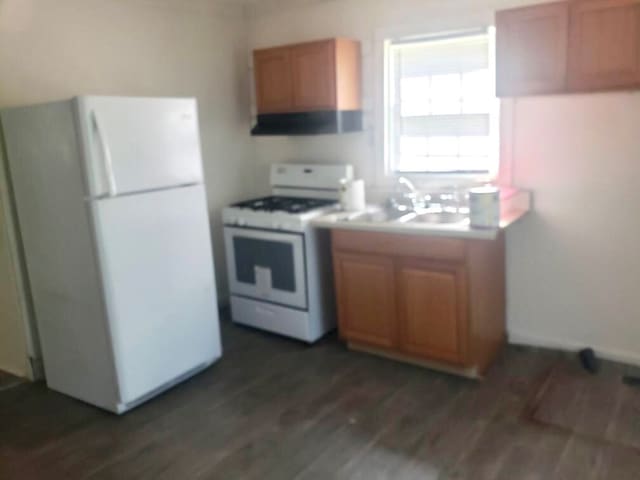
(106, 155)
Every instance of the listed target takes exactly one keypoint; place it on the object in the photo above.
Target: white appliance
(279, 266)
(113, 219)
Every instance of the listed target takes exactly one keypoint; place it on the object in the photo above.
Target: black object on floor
(631, 380)
(589, 360)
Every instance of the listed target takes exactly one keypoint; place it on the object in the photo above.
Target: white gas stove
(279, 266)
(277, 212)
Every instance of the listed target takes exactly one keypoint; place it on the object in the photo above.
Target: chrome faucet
(409, 199)
(412, 190)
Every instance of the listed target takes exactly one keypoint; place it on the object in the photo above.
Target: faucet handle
(407, 183)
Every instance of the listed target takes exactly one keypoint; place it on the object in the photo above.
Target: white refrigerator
(112, 215)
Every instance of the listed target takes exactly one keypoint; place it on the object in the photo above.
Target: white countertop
(513, 207)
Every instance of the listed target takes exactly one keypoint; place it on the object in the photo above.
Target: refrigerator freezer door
(139, 144)
(155, 255)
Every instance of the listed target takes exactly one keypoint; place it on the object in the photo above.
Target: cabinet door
(314, 76)
(365, 290)
(531, 49)
(272, 69)
(433, 310)
(604, 44)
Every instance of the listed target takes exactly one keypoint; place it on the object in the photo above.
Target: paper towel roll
(352, 196)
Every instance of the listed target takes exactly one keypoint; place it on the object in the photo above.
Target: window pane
(443, 146)
(474, 146)
(413, 146)
(441, 164)
(446, 107)
(476, 88)
(476, 85)
(480, 105)
(445, 86)
(412, 164)
(414, 88)
(445, 125)
(414, 96)
(444, 93)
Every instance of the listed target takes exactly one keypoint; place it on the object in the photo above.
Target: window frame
(387, 173)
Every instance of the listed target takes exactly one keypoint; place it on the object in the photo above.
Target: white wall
(277, 22)
(572, 268)
(54, 49)
(14, 356)
(573, 271)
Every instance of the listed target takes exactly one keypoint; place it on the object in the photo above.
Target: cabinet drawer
(399, 245)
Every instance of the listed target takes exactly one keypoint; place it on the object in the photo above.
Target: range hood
(308, 123)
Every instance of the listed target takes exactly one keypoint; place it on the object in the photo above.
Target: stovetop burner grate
(284, 204)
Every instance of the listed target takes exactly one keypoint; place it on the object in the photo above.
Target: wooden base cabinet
(432, 310)
(433, 301)
(367, 310)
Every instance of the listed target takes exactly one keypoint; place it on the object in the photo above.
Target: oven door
(266, 265)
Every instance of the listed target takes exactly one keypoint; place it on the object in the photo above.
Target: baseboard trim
(467, 372)
(14, 371)
(523, 338)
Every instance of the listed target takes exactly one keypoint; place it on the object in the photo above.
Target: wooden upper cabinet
(604, 46)
(312, 76)
(433, 310)
(314, 71)
(365, 287)
(531, 49)
(272, 69)
(571, 46)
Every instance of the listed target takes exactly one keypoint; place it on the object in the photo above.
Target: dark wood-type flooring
(277, 409)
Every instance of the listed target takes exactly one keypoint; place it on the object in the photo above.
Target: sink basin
(406, 217)
(440, 217)
(379, 216)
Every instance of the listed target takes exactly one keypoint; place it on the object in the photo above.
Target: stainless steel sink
(439, 217)
(380, 216)
(395, 216)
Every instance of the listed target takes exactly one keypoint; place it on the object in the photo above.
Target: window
(440, 106)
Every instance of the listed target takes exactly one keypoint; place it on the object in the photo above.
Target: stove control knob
(241, 222)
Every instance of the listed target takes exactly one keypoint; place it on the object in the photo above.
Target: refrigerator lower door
(155, 255)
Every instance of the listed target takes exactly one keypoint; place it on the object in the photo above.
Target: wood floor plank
(419, 406)
(533, 452)
(356, 407)
(581, 459)
(273, 408)
(619, 463)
